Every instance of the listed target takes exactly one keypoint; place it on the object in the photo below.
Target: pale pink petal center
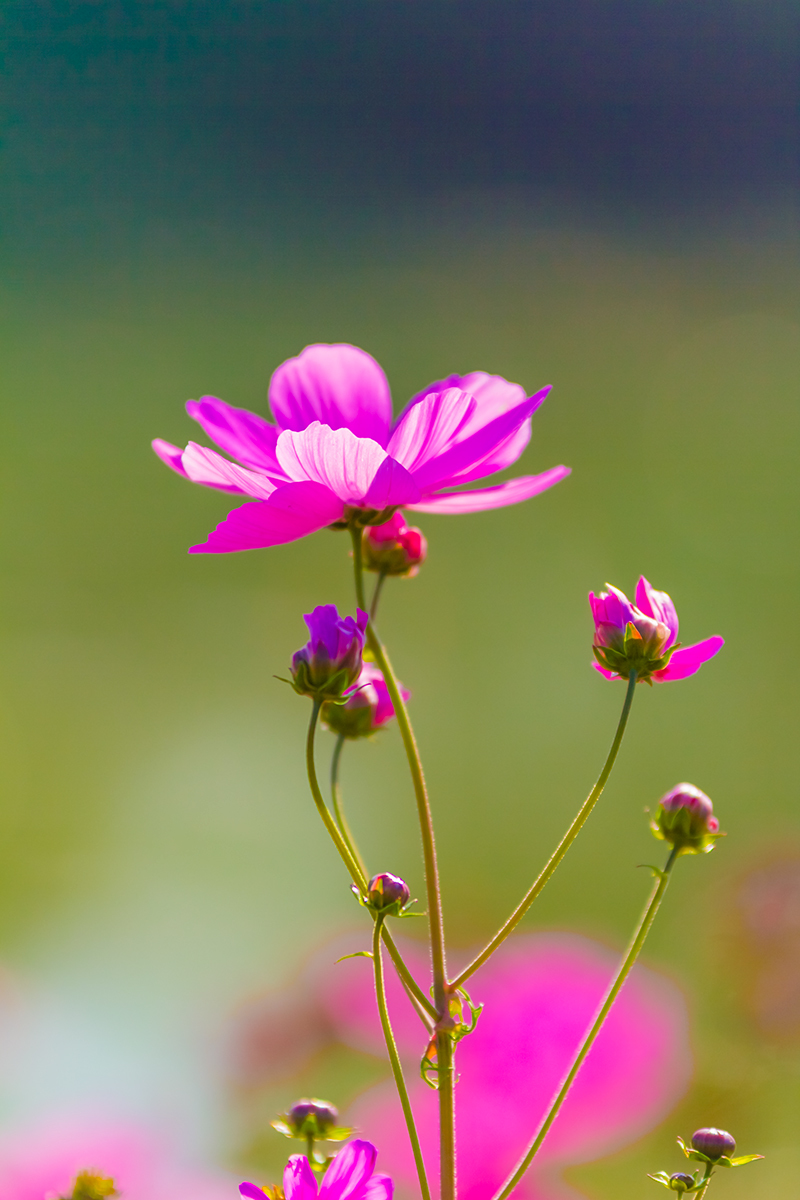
(335, 457)
(430, 426)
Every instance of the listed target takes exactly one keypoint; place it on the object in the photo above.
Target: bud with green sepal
(387, 896)
(685, 818)
(91, 1186)
(312, 1118)
(367, 709)
(394, 548)
(327, 667)
(715, 1147)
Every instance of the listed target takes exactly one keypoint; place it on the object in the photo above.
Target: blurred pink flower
(349, 1177)
(40, 1162)
(335, 446)
(540, 994)
(655, 620)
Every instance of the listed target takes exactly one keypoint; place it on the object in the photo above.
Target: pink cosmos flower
(655, 625)
(41, 1162)
(349, 1177)
(334, 447)
(540, 994)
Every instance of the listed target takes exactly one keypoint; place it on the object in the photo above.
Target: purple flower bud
(394, 548)
(685, 818)
(388, 892)
(311, 1118)
(328, 665)
(680, 1182)
(368, 707)
(714, 1143)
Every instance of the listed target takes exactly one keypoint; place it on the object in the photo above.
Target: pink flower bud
(385, 892)
(714, 1143)
(685, 818)
(394, 548)
(368, 708)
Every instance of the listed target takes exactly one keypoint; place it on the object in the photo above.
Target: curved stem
(338, 809)
(394, 1058)
(561, 849)
(333, 829)
(376, 595)
(359, 875)
(433, 891)
(637, 941)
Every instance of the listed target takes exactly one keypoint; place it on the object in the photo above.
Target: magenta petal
(467, 453)
(299, 1182)
(171, 455)
(430, 426)
(493, 396)
(251, 1190)
(659, 606)
(391, 486)
(337, 458)
(379, 1187)
(242, 434)
(349, 1171)
(606, 673)
(479, 499)
(339, 385)
(205, 466)
(688, 659)
(292, 511)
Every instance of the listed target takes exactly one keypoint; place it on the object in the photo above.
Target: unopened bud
(311, 1118)
(713, 1143)
(329, 664)
(368, 707)
(685, 818)
(388, 893)
(679, 1182)
(394, 548)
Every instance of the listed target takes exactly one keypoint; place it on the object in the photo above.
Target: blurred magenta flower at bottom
(540, 993)
(40, 1162)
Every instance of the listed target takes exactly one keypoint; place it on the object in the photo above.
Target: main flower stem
(357, 873)
(436, 923)
(637, 941)
(562, 848)
(394, 1057)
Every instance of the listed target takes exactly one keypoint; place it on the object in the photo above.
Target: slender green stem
(637, 941)
(435, 920)
(561, 849)
(445, 1073)
(394, 1058)
(358, 875)
(376, 595)
(333, 829)
(709, 1171)
(338, 808)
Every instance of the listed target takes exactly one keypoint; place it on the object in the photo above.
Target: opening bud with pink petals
(394, 548)
(328, 666)
(387, 896)
(685, 818)
(367, 709)
(642, 637)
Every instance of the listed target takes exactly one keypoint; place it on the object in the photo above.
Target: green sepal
(695, 1155)
(740, 1160)
(660, 1177)
(356, 954)
(340, 1133)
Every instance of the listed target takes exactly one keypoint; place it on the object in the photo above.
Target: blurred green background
(601, 201)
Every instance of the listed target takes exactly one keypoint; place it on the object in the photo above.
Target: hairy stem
(435, 920)
(562, 848)
(637, 941)
(394, 1058)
